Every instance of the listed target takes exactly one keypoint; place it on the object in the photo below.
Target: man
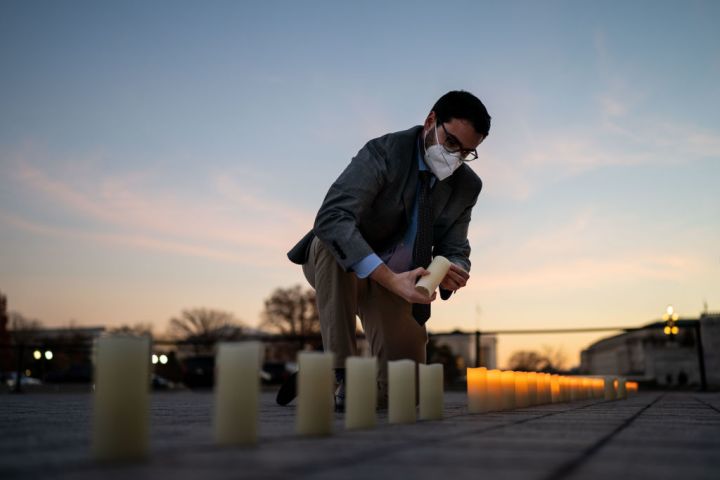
(405, 197)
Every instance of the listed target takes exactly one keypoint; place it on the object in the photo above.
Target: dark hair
(465, 106)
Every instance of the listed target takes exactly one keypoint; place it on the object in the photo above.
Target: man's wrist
(384, 276)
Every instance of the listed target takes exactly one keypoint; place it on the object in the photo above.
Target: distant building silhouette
(463, 345)
(649, 356)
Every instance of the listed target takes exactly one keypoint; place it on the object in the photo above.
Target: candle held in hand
(438, 268)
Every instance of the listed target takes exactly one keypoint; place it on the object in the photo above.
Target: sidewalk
(650, 435)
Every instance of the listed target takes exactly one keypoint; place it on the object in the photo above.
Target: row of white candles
(121, 402)
(497, 390)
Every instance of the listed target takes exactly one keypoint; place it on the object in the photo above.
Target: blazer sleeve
(347, 201)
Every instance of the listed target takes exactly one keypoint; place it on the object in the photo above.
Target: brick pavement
(651, 435)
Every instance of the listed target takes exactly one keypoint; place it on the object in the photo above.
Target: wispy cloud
(233, 222)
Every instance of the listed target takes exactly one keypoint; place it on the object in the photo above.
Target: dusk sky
(160, 155)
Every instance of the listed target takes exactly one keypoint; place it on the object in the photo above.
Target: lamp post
(670, 317)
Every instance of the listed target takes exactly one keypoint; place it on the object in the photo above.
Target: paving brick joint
(650, 435)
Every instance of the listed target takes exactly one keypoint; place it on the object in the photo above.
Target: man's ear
(430, 120)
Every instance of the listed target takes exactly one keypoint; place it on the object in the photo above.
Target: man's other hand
(455, 279)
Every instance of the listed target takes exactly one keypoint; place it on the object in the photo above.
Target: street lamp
(670, 317)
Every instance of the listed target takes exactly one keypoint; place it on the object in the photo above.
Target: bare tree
(527, 361)
(549, 360)
(555, 356)
(291, 311)
(23, 329)
(139, 329)
(204, 325)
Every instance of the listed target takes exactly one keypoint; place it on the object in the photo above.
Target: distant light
(154, 359)
(48, 355)
(28, 372)
(37, 354)
(675, 317)
(675, 330)
(667, 330)
(163, 359)
(670, 310)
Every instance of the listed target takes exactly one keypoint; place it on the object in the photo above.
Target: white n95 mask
(441, 162)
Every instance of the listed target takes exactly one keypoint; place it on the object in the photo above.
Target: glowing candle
(360, 392)
(566, 389)
(121, 400)
(438, 268)
(401, 391)
(237, 391)
(532, 388)
(315, 394)
(555, 389)
(622, 389)
(477, 391)
(586, 388)
(431, 391)
(610, 388)
(548, 388)
(494, 389)
(574, 389)
(508, 390)
(540, 388)
(522, 399)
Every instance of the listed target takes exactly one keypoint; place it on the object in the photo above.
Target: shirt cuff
(367, 265)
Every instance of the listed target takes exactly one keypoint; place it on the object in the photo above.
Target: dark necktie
(422, 251)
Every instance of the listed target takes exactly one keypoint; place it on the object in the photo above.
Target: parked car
(25, 381)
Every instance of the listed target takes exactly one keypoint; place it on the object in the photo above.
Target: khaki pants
(390, 328)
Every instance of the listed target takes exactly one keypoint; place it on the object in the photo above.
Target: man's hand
(402, 284)
(455, 279)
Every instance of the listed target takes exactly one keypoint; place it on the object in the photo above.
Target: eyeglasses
(453, 145)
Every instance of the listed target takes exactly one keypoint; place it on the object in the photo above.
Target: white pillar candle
(477, 391)
(438, 268)
(494, 390)
(401, 391)
(541, 386)
(547, 378)
(622, 388)
(574, 389)
(589, 388)
(237, 392)
(121, 400)
(522, 399)
(431, 391)
(555, 389)
(532, 388)
(508, 390)
(315, 394)
(565, 389)
(360, 392)
(610, 388)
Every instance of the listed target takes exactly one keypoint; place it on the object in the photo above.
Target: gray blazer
(369, 207)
